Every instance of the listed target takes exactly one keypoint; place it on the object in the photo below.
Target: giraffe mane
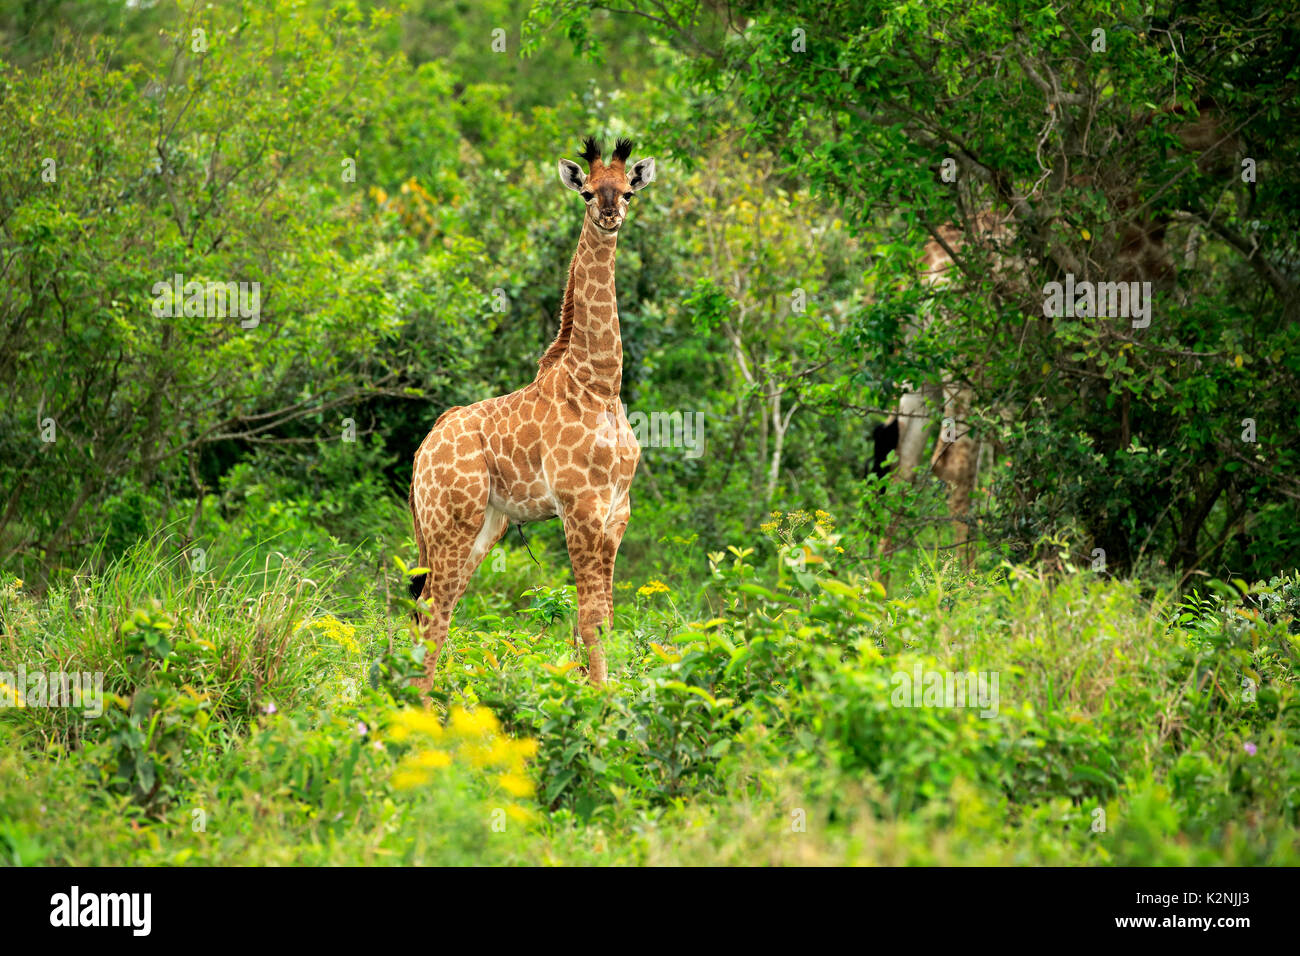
(561, 343)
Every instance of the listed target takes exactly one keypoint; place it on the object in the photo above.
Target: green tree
(1112, 135)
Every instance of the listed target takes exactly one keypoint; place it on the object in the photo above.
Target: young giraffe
(559, 447)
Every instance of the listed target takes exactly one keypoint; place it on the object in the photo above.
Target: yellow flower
(397, 734)
(527, 748)
(409, 779)
(431, 759)
(479, 722)
(414, 720)
(472, 737)
(502, 752)
(653, 586)
(335, 630)
(11, 696)
(522, 814)
(515, 784)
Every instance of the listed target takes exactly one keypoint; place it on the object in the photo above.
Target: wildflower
(503, 752)
(269, 709)
(362, 729)
(653, 586)
(522, 814)
(478, 722)
(431, 759)
(336, 631)
(1250, 748)
(409, 779)
(11, 696)
(414, 720)
(515, 784)
(767, 527)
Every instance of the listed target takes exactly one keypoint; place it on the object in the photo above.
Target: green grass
(259, 711)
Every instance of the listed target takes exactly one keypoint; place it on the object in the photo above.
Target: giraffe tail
(417, 582)
(884, 440)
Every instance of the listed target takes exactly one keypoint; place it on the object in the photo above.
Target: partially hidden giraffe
(956, 454)
(559, 447)
(1141, 253)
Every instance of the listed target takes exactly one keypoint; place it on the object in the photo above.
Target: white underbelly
(523, 509)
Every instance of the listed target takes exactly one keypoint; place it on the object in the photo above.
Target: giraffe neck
(589, 344)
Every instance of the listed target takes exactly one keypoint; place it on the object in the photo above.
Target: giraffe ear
(641, 174)
(571, 174)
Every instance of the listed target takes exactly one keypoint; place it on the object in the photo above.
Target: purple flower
(1250, 748)
(269, 709)
(362, 729)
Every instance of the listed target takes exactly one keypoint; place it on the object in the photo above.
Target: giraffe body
(559, 447)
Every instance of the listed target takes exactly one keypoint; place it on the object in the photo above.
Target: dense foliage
(256, 716)
(1119, 144)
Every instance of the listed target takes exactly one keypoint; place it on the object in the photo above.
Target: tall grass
(260, 711)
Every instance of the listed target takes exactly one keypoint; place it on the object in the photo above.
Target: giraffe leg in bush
(455, 528)
(609, 553)
(584, 528)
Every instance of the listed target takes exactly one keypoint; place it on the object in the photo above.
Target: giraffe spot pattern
(559, 446)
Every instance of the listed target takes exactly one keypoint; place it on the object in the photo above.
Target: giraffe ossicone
(559, 447)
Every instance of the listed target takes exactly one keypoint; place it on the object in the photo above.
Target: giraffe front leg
(584, 532)
(609, 553)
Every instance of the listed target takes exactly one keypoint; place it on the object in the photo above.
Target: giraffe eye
(627, 197)
(587, 197)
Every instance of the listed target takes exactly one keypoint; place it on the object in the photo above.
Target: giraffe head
(607, 189)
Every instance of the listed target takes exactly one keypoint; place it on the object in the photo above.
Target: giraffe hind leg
(460, 549)
(416, 583)
(455, 527)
